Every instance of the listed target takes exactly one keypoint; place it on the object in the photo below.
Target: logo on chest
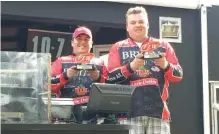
(143, 72)
(80, 91)
(129, 54)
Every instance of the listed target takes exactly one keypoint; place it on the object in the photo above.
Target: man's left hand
(94, 73)
(162, 62)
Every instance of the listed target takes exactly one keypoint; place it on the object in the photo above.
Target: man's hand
(162, 62)
(71, 72)
(94, 74)
(138, 62)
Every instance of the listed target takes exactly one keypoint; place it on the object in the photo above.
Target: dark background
(107, 21)
(213, 42)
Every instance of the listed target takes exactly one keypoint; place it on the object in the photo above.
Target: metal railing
(214, 96)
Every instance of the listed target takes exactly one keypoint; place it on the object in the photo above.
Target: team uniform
(78, 87)
(149, 108)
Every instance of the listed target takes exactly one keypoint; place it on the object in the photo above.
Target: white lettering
(145, 82)
(129, 54)
(133, 53)
(118, 75)
(125, 55)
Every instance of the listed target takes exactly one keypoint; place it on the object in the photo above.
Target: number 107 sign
(56, 43)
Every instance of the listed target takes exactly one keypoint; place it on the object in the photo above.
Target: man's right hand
(71, 72)
(138, 62)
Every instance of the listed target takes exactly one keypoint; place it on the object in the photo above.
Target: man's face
(82, 44)
(137, 26)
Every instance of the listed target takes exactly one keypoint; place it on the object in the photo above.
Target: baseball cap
(82, 30)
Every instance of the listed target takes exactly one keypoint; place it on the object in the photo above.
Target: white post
(205, 79)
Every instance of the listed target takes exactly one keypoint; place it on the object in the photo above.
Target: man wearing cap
(67, 81)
